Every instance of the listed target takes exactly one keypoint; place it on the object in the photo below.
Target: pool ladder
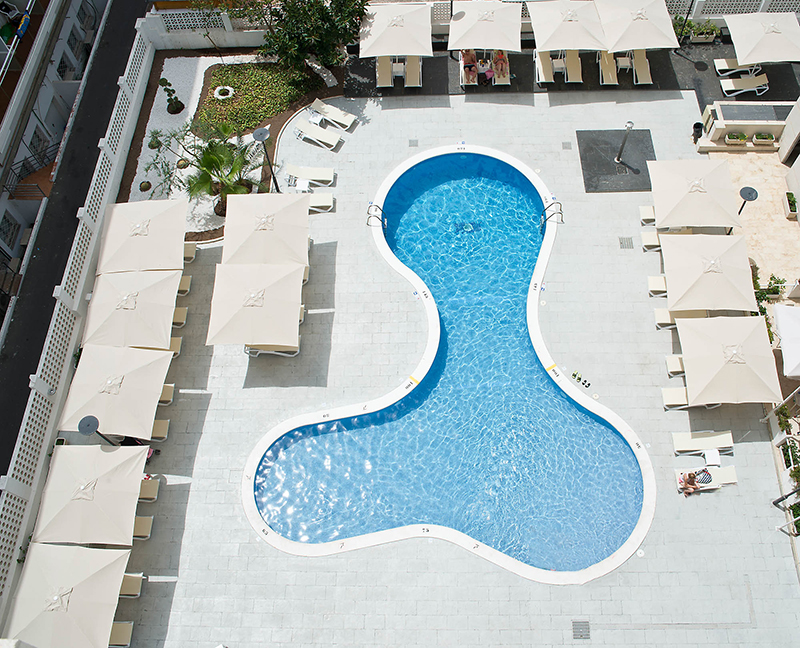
(375, 211)
(557, 212)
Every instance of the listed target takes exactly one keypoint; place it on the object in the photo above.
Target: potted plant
(763, 139)
(174, 105)
(735, 138)
(682, 26)
(704, 32)
(790, 206)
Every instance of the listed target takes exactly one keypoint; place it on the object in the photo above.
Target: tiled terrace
(713, 570)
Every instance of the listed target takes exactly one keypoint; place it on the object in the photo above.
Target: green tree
(298, 29)
(222, 163)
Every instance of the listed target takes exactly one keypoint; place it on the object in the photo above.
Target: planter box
(702, 38)
(790, 215)
(734, 141)
(763, 142)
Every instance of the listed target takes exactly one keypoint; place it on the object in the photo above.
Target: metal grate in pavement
(580, 630)
(625, 242)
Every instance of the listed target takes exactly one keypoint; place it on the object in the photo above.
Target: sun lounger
(179, 317)
(641, 68)
(185, 285)
(321, 137)
(142, 527)
(544, 67)
(148, 491)
(472, 78)
(719, 477)
(732, 87)
(665, 319)
(333, 115)
(730, 66)
(675, 398)
(175, 344)
(413, 72)
(131, 586)
(699, 442)
(160, 430)
(502, 74)
(167, 394)
(647, 215)
(650, 241)
(624, 63)
(657, 286)
(255, 350)
(608, 68)
(121, 634)
(320, 202)
(675, 365)
(574, 70)
(712, 457)
(189, 251)
(315, 175)
(383, 72)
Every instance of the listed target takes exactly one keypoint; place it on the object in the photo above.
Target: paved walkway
(712, 571)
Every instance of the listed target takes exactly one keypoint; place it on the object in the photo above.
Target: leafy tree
(222, 163)
(298, 29)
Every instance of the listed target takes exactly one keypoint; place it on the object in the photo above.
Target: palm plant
(222, 163)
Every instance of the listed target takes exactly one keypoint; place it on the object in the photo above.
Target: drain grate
(566, 146)
(413, 143)
(467, 228)
(625, 242)
(622, 169)
(580, 630)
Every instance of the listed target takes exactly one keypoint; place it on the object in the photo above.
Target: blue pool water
(487, 444)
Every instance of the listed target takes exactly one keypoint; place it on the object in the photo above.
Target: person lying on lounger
(500, 63)
(689, 483)
(470, 64)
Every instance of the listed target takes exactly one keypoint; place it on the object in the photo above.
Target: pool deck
(713, 571)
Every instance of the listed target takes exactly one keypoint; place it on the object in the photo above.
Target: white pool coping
(433, 531)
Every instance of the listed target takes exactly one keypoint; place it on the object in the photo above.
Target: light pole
(88, 425)
(262, 135)
(628, 126)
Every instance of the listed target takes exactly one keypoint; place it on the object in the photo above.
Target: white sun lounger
(730, 66)
(167, 394)
(641, 68)
(131, 585)
(675, 365)
(148, 491)
(650, 241)
(322, 176)
(732, 87)
(719, 477)
(700, 441)
(574, 70)
(142, 527)
(179, 316)
(175, 344)
(647, 215)
(383, 72)
(320, 202)
(189, 251)
(657, 286)
(185, 285)
(121, 634)
(255, 350)
(665, 319)
(413, 72)
(333, 115)
(608, 68)
(544, 67)
(160, 430)
(677, 398)
(316, 134)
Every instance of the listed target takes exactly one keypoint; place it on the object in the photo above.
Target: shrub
(706, 28)
(736, 136)
(677, 25)
(792, 201)
(764, 136)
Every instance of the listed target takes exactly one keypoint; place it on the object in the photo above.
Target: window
(75, 44)
(9, 230)
(38, 143)
(81, 15)
(65, 69)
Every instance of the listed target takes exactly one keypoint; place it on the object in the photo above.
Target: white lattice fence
(191, 20)
(49, 385)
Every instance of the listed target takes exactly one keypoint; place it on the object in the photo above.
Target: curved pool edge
(434, 332)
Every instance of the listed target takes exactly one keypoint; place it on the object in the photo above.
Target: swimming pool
(487, 450)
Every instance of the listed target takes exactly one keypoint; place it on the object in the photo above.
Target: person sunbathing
(500, 63)
(689, 483)
(470, 64)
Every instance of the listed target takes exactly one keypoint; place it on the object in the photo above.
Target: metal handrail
(34, 162)
(376, 211)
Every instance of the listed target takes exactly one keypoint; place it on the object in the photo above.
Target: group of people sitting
(496, 69)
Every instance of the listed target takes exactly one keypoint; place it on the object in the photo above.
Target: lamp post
(88, 425)
(628, 126)
(262, 135)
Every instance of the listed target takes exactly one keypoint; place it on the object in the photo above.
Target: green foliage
(794, 473)
(256, 11)
(736, 136)
(302, 28)
(221, 163)
(765, 294)
(764, 136)
(706, 28)
(677, 25)
(261, 91)
(174, 105)
(792, 201)
(782, 414)
(795, 509)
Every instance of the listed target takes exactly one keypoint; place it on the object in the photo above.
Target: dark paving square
(601, 174)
